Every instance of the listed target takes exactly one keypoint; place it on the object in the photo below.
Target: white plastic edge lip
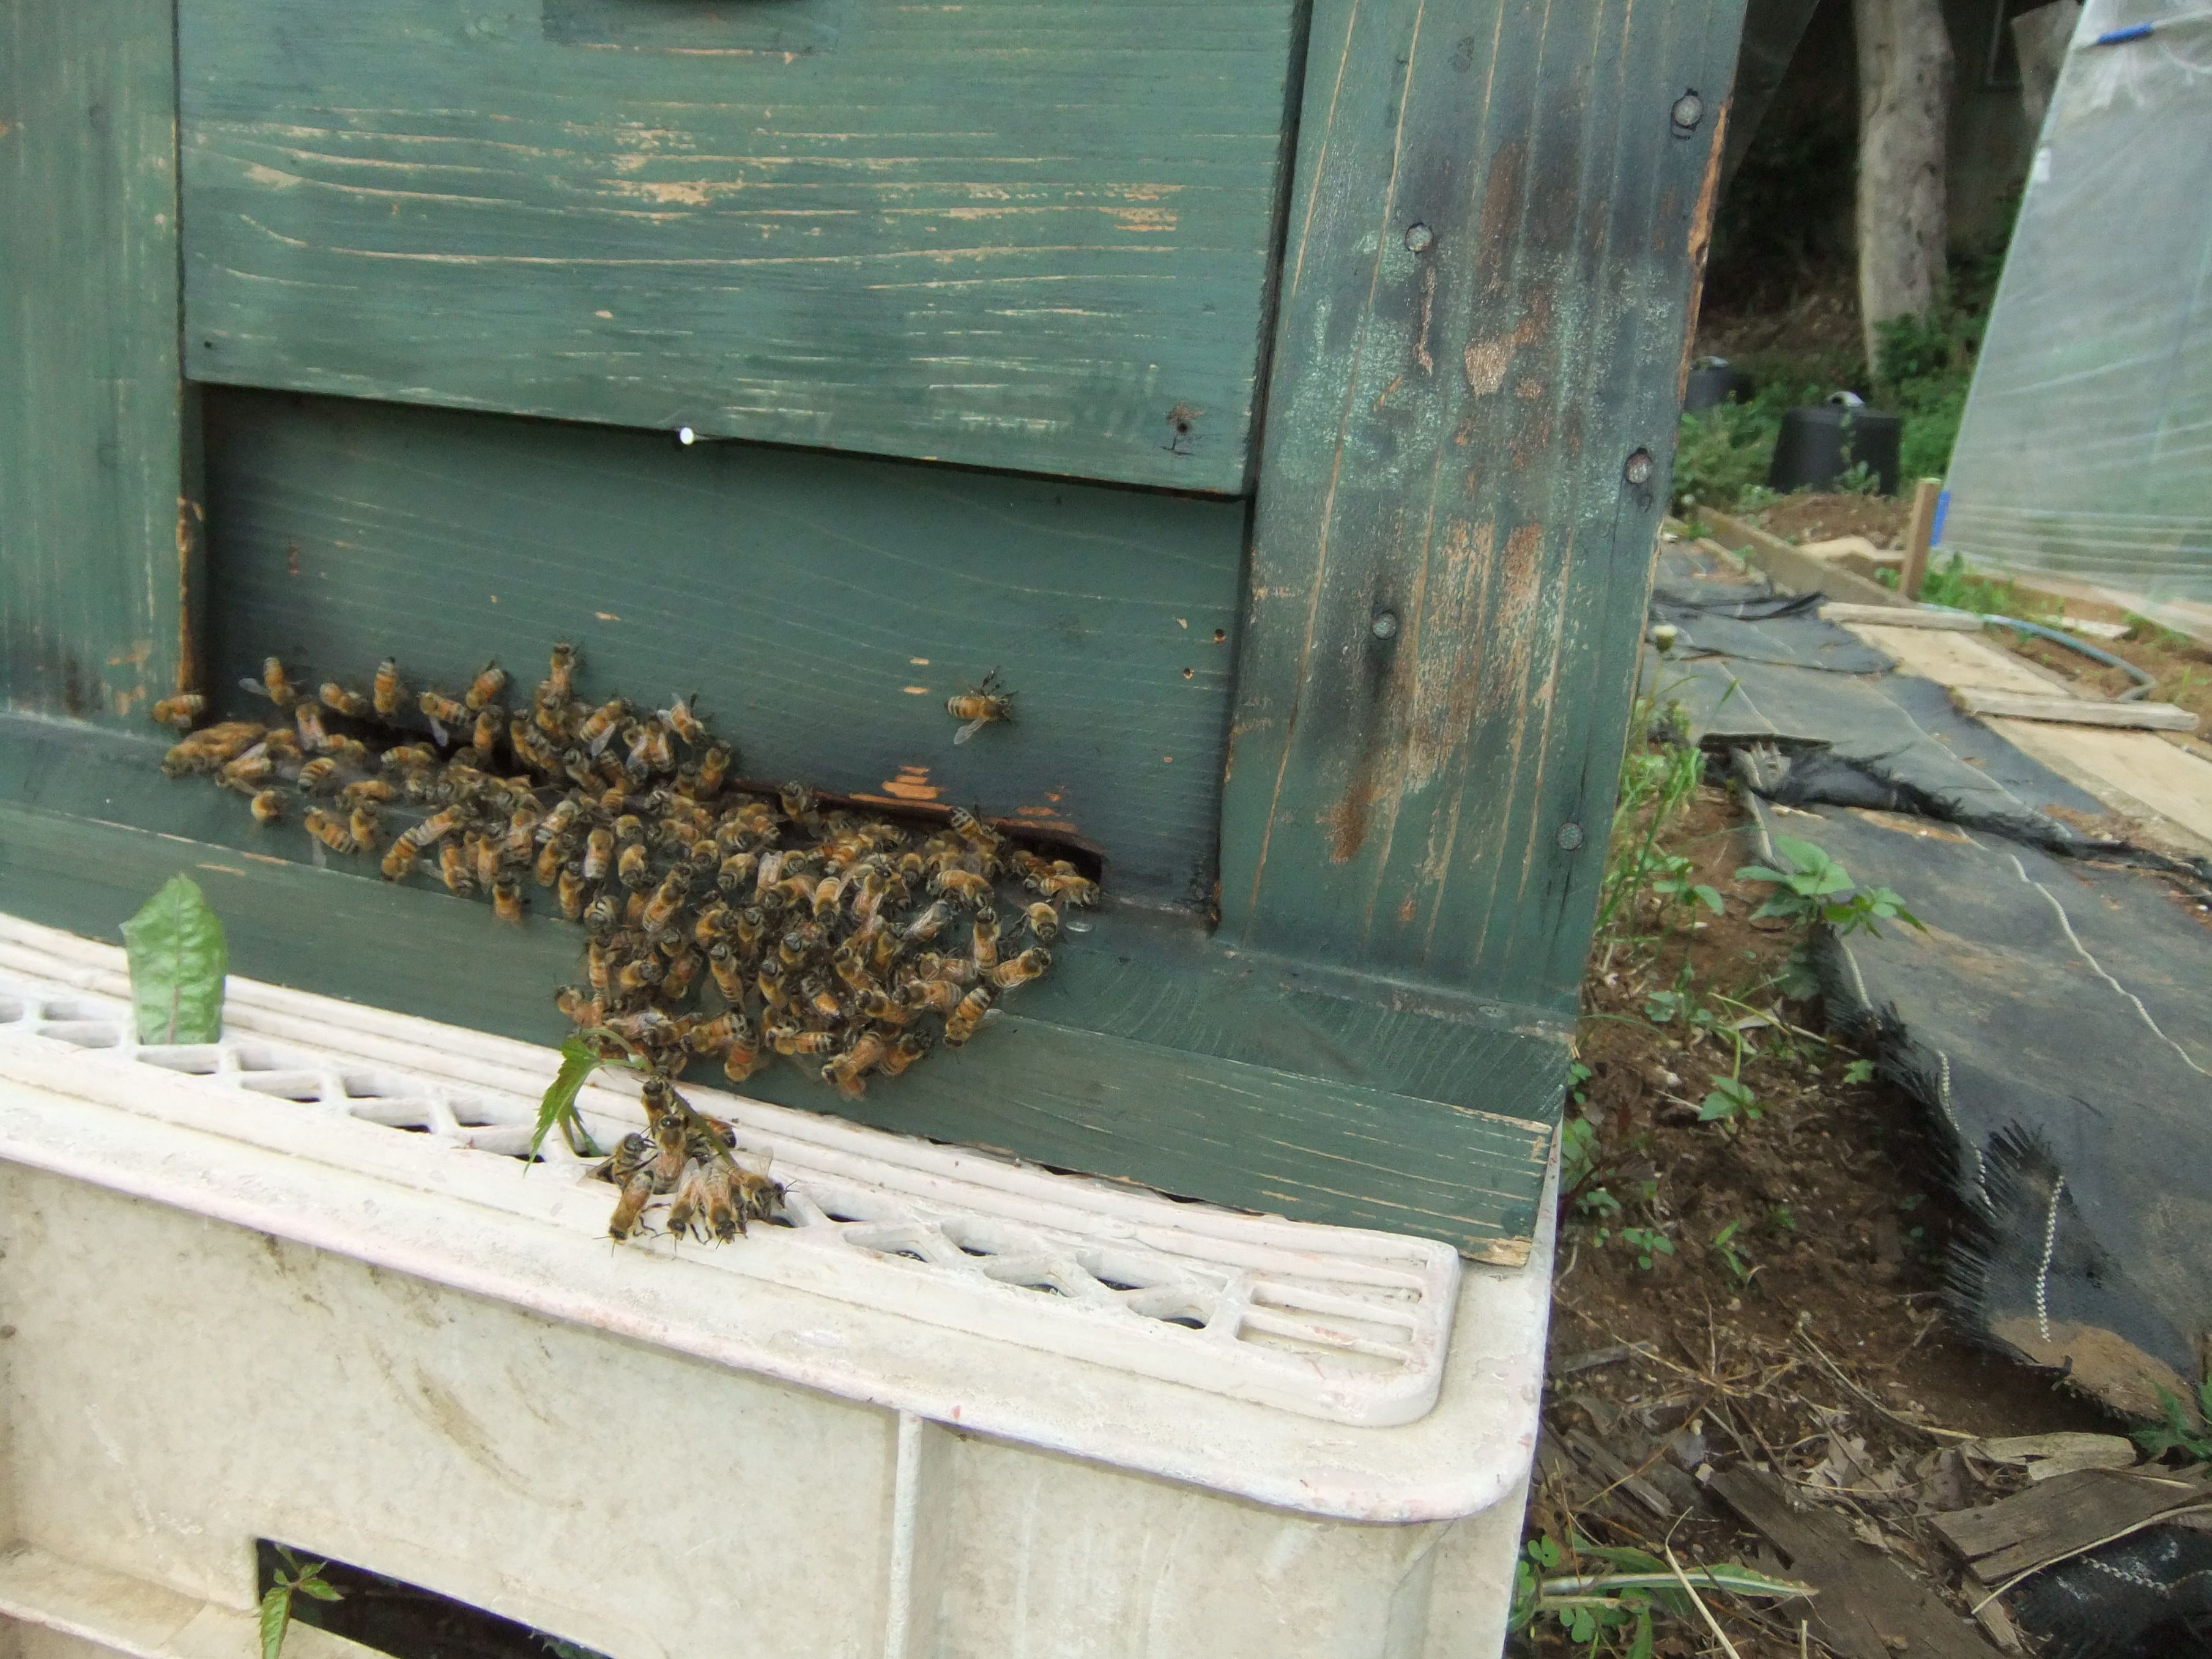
(1462, 1457)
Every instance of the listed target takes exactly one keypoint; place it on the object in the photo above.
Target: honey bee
(979, 706)
(743, 1057)
(910, 1046)
(407, 756)
(630, 1169)
(362, 790)
(973, 830)
(491, 681)
(1062, 881)
(792, 1041)
(507, 899)
(400, 860)
(560, 677)
(682, 969)
(600, 726)
(366, 826)
(599, 854)
(964, 886)
(930, 996)
(828, 892)
(453, 869)
(1043, 922)
(847, 1070)
(1021, 970)
(181, 710)
(318, 774)
(579, 1007)
(557, 823)
(552, 858)
(329, 829)
(638, 975)
(351, 704)
(314, 736)
(275, 683)
(961, 1024)
(650, 752)
(769, 982)
(711, 1036)
(211, 747)
(532, 750)
(269, 807)
(752, 923)
(986, 939)
(926, 926)
(713, 769)
(385, 694)
(683, 722)
(600, 915)
(522, 830)
(632, 868)
(491, 719)
(249, 772)
(347, 751)
(798, 804)
(729, 977)
(443, 713)
(572, 894)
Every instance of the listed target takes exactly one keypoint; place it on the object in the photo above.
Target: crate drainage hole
(406, 1621)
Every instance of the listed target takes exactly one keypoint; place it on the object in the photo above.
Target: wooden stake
(1918, 534)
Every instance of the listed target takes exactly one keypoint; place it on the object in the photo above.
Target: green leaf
(1710, 898)
(312, 1583)
(1760, 873)
(1859, 1071)
(177, 962)
(578, 1059)
(275, 1615)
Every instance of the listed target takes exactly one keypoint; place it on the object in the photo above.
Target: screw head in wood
(1639, 468)
(1571, 836)
(1689, 110)
(1385, 625)
(1419, 238)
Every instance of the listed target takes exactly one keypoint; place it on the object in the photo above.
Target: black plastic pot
(1817, 445)
(1713, 383)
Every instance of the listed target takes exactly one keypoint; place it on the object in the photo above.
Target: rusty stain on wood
(912, 784)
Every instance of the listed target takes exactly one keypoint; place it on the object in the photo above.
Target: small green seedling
(1728, 1099)
(1732, 1254)
(1611, 1612)
(1649, 1243)
(178, 964)
(1817, 888)
(1859, 1071)
(292, 1579)
(2192, 1440)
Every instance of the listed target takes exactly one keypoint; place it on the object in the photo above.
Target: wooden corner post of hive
(1496, 235)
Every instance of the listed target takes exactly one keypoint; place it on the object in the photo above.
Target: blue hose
(2136, 693)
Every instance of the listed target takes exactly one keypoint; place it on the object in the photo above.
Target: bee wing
(438, 729)
(970, 729)
(753, 1160)
(600, 744)
(249, 684)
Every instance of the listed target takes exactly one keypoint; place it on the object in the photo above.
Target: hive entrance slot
(403, 1620)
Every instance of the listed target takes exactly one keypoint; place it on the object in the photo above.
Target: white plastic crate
(959, 1406)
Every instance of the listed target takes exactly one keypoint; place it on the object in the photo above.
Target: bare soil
(1816, 518)
(1813, 1340)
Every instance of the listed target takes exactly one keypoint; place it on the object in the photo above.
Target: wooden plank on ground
(1792, 569)
(2076, 711)
(1494, 237)
(1870, 1608)
(1890, 616)
(98, 543)
(1005, 234)
(2068, 1513)
(2137, 774)
(1953, 660)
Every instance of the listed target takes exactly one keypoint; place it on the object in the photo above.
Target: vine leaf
(178, 963)
(578, 1059)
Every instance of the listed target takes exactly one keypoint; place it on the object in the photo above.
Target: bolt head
(1419, 238)
(1689, 110)
(1571, 836)
(1640, 469)
(1385, 625)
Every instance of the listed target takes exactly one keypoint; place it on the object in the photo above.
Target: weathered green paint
(1007, 233)
(1183, 1117)
(1450, 416)
(94, 548)
(824, 607)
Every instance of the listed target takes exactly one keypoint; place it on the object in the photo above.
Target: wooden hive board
(1005, 234)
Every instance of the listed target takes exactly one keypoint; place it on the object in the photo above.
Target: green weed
(1733, 1255)
(1728, 1100)
(292, 1579)
(2192, 1440)
(1649, 1243)
(1611, 1613)
(1817, 888)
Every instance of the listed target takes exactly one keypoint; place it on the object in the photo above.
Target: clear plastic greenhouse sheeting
(2085, 450)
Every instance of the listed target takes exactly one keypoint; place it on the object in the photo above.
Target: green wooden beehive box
(1279, 396)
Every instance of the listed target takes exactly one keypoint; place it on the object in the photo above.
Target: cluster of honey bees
(848, 943)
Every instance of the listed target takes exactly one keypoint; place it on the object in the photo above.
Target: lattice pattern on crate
(1352, 1321)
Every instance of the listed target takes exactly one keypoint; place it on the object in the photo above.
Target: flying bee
(1021, 970)
(181, 710)
(314, 736)
(790, 1040)
(275, 683)
(961, 1024)
(684, 723)
(848, 1069)
(632, 868)
(986, 939)
(979, 706)
(599, 854)
(507, 899)
(351, 704)
(453, 868)
(572, 894)
(361, 791)
(910, 1046)
(491, 681)
(491, 720)
(964, 886)
(367, 825)
(600, 726)
(329, 829)
(269, 807)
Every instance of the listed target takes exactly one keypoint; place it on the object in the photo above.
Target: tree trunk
(1905, 108)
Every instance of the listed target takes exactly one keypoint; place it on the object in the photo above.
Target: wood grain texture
(96, 550)
(1005, 234)
(824, 607)
(1230, 1131)
(1451, 414)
